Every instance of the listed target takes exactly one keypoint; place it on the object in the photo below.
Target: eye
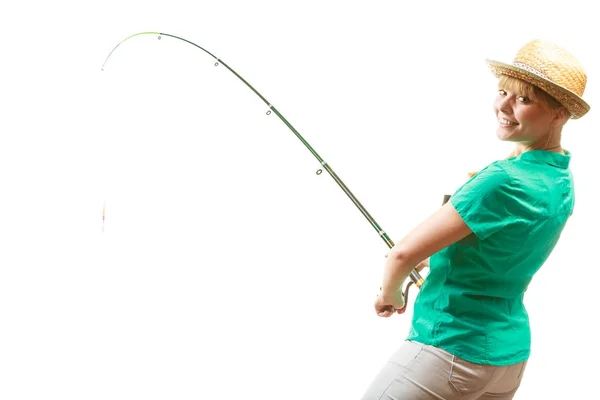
(502, 92)
(523, 99)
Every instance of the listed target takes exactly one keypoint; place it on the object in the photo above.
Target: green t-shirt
(471, 303)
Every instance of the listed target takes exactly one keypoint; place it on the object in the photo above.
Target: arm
(441, 229)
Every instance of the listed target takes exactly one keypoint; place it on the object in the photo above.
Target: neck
(549, 143)
(521, 148)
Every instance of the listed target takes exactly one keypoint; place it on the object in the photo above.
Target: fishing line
(415, 277)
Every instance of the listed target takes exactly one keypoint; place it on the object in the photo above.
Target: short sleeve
(488, 202)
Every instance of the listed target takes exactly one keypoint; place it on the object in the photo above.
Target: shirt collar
(548, 157)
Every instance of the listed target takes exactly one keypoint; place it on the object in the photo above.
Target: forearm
(441, 229)
(396, 270)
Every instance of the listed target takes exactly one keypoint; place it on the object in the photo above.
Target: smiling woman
(528, 115)
(470, 336)
(528, 120)
(532, 101)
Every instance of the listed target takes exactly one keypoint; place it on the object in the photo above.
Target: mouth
(506, 122)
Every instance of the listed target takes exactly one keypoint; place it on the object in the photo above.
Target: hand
(386, 306)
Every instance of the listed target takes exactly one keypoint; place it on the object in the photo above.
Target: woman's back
(472, 301)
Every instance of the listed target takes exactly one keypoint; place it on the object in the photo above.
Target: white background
(227, 268)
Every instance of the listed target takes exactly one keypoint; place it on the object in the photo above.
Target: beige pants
(421, 372)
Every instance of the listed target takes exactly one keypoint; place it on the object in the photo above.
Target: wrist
(389, 289)
(394, 297)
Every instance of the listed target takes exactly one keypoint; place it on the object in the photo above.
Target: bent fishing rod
(415, 277)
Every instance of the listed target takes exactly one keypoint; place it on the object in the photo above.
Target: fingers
(384, 310)
(401, 310)
(388, 312)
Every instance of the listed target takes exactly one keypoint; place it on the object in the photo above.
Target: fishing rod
(415, 277)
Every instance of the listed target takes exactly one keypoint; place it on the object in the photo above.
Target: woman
(470, 333)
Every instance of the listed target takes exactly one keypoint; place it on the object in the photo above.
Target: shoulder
(491, 200)
(492, 178)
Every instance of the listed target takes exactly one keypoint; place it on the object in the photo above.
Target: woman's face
(521, 119)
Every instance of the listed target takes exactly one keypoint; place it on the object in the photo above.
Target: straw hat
(550, 68)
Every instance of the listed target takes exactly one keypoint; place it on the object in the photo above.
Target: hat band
(530, 69)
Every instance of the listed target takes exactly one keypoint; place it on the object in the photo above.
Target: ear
(561, 116)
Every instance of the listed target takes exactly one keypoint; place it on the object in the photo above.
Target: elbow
(401, 256)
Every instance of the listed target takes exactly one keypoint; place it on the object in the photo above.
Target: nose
(503, 104)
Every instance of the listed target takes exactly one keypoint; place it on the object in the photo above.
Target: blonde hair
(528, 90)
(525, 89)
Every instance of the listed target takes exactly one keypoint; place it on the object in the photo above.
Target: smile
(506, 122)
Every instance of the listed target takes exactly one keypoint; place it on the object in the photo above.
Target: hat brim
(570, 100)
